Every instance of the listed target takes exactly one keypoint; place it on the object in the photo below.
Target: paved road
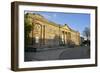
(58, 54)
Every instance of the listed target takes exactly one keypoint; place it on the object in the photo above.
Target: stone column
(43, 34)
(64, 37)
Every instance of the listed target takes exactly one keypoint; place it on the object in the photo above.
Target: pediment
(66, 27)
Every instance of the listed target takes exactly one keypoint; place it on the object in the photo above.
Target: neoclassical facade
(45, 33)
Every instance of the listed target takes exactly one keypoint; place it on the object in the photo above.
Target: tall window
(37, 39)
(62, 39)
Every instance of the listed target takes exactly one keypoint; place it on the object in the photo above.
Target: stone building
(45, 33)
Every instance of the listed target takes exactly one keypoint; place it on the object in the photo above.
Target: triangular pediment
(66, 27)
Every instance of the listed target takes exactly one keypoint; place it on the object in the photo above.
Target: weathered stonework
(48, 34)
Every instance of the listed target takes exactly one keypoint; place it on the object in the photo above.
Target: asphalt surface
(82, 52)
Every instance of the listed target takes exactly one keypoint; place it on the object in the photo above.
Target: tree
(28, 29)
(86, 33)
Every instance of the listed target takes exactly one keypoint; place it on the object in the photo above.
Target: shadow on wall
(48, 43)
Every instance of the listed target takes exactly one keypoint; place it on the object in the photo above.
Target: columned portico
(45, 33)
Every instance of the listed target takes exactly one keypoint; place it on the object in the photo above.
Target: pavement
(81, 52)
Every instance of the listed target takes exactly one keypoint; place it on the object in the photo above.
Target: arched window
(37, 33)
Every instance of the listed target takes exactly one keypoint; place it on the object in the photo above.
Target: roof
(42, 18)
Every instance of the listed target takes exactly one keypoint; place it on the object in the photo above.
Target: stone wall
(49, 34)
